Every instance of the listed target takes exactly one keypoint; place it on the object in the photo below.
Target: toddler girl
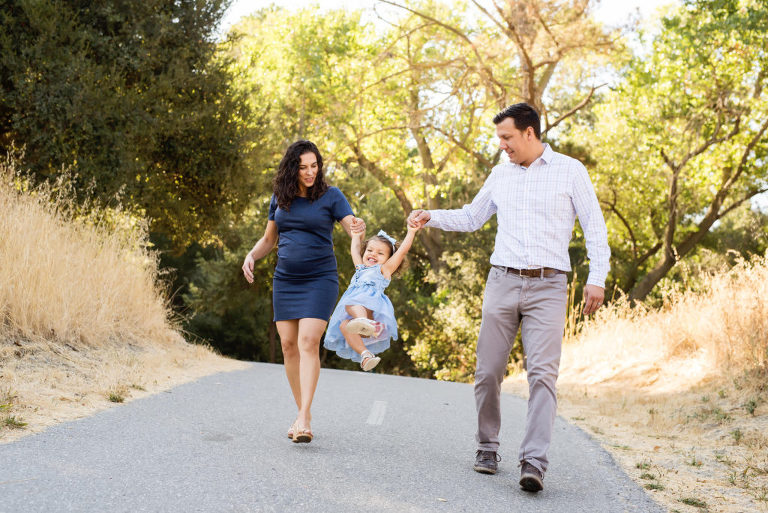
(364, 310)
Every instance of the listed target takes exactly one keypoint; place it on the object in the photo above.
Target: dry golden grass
(72, 280)
(82, 312)
(678, 394)
(722, 328)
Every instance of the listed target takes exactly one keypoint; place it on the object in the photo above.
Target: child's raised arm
(355, 248)
(395, 260)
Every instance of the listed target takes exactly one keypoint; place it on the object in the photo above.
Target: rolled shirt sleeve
(470, 217)
(593, 224)
(536, 208)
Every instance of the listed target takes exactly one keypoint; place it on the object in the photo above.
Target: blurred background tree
(132, 97)
(681, 142)
(145, 105)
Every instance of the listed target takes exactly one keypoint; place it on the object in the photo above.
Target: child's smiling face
(376, 252)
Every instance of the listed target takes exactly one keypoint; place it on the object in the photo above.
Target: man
(536, 196)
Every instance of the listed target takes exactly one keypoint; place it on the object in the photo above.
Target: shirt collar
(546, 156)
(548, 153)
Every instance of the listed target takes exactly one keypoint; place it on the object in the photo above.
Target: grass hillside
(84, 320)
(679, 393)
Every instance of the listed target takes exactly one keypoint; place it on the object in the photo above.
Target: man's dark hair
(523, 115)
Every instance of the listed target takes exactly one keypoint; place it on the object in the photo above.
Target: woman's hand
(260, 250)
(353, 225)
(358, 226)
(248, 267)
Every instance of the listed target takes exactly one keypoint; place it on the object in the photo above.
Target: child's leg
(359, 311)
(354, 340)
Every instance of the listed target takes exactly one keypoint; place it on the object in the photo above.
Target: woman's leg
(310, 331)
(289, 341)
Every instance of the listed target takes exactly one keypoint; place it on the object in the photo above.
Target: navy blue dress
(306, 280)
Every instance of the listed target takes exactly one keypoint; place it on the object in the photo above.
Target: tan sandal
(291, 430)
(302, 436)
(369, 360)
(362, 326)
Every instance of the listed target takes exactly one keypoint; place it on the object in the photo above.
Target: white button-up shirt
(536, 208)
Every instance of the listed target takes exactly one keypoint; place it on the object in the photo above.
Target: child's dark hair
(403, 265)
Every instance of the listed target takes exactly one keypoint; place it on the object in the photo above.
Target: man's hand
(418, 218)
(593, 298)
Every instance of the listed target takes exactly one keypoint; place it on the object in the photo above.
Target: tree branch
(740, 201)
(612, 207)
(648, 254)
(574, 110)
(450, 28)
(479, 156)
(745, 155)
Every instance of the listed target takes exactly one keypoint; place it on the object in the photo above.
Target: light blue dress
(366, 289)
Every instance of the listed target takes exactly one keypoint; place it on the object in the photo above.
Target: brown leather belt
(541, 272)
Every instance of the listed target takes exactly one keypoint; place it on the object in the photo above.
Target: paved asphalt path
(382, 443)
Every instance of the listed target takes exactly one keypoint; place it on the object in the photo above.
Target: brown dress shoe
(531, 478)
(486, 462)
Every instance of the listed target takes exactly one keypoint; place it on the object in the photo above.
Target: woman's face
(307, 171)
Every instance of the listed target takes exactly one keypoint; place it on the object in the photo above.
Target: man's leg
(543, 308)
(497, 334)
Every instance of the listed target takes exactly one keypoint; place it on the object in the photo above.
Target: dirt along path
(693, 448)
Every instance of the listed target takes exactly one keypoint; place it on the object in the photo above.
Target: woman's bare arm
(263, 246)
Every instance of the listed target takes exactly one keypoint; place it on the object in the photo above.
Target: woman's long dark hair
(286, 183)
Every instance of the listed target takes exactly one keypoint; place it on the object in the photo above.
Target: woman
(302, 212)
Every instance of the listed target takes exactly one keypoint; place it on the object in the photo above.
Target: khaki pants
(538, 307)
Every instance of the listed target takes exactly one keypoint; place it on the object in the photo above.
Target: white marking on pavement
(378, 410)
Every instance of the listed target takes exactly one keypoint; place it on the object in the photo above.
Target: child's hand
(412, 228)
(358, 225)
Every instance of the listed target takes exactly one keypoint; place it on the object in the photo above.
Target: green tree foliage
(140, 100)
(334, 80)
(402, 115)
(235, 316)
(681, 143)
(131, 96)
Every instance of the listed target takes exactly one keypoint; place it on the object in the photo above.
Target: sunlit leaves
(686, 118)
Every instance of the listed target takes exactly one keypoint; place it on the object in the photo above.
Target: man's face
(517, 144)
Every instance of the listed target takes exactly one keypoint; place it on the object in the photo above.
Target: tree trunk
(272, 342)
(433, 247)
